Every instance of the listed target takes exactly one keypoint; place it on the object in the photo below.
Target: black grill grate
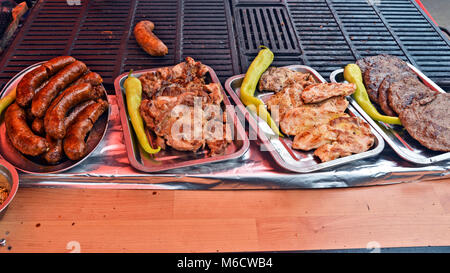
(207, 35)
(226, 34)
(164, 14)
(325, 47)
(429, 50)
(48, 31)
(266, 26)
(99, 32)
(270, 26)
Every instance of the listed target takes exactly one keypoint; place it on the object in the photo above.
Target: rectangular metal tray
(395, 135)
(281, 148)
(170, 158)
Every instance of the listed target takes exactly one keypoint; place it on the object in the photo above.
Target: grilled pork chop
(178, 124)
(288, 98)
(314, 138)
(166, 81)
(353, 136)
(301, 119)
(321, 91)
(314, 114)
(275, 78)
(182, 110)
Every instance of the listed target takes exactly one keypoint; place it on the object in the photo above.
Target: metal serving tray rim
(7, 88)
(128, 138)
(278, 158)
(409, 157)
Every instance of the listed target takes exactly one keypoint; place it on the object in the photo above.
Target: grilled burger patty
(401, 93)
(398, 91)
(383, 100)
(427, 121)
(378, 68)
(366, 62)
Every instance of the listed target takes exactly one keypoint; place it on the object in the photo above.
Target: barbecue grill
(226, 34)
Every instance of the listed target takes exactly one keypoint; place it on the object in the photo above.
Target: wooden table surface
(87, 220)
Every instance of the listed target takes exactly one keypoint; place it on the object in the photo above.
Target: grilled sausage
(20, 135)
(34, 79)
(143, 32)
(74, 143)
(55, 151)
(28, 115)
(69, 98)
(56, 64)
(56, 84)
(74, 113)
(89, 77)
(38, 126)
(28, 84)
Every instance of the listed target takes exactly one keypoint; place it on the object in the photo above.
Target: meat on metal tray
(396, 135)
(170, 158)
(281, 148)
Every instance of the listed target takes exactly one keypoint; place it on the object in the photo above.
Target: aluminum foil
(108, 167)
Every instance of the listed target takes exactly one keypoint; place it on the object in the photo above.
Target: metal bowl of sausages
(58, 118)
(9, 183)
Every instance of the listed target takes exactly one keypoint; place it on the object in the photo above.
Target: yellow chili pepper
(248, 87)
(133, 92)
(7, 100)
(352, 74)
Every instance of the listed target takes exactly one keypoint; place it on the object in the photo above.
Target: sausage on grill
(143, 32)
(74, 143)
(20, 134)
(56, 84)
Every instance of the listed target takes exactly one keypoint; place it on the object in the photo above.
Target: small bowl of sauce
(9, 183)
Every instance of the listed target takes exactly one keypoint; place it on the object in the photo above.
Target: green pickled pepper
(352, 74)
(133, 92)
(261, 62)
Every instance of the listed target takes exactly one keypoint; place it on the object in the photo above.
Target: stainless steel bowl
(35, 165)
(12, 183)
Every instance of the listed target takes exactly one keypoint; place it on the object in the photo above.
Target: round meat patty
(427, 121)
(383, 91)
(364, 63)
(382, 66)
(401, 93)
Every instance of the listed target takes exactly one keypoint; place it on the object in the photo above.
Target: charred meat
(276, 78)
(427, 121)
(183, 110)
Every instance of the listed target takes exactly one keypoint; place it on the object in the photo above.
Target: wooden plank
(343, 232)
(401, 215)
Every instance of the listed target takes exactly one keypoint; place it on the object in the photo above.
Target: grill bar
(226, 34)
